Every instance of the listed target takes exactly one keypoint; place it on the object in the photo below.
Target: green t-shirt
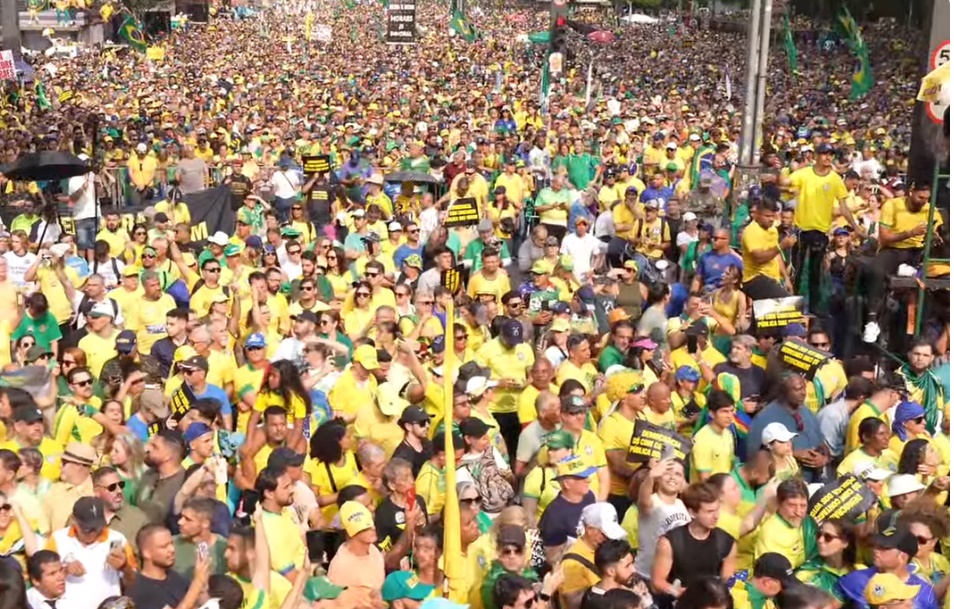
(581, 169)
(186, 552)
(43, 329)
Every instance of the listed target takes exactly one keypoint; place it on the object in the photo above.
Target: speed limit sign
(940, 56)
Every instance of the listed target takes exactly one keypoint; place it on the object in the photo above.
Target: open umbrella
(417, 177)
(45, 166)
(601, 36)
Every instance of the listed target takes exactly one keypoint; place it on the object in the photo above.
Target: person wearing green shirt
(473, 254)
(581, 166)
(511, 558)
(771, 574)
(621, 335)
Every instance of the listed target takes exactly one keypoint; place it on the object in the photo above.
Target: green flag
(350, 3)
(790, 49)
(42, 101)
(847, 28)
(863, 79)
(539, 37)
(132, 34)
(463, 27)
(545, 82)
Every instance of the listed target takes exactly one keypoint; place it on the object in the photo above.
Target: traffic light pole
(557, 52)
(747, 145)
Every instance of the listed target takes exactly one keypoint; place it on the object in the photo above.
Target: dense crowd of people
(260, 418)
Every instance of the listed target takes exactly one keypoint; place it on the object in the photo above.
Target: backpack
(116, 272)
(86, 303)
(198, 286)
(495, 492)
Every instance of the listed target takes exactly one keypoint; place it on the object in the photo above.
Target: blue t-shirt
(406, 250)
(218, 394)
(659, 194)
(852, 588)
(712, 265)
(560, 519)
(138, 427)
(806, 426)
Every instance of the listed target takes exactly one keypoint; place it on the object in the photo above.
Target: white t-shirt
(84, 206)
(604, 225)
(581, 249)
(285, 184)
(684, 238)
(110, 271)
(17, 266)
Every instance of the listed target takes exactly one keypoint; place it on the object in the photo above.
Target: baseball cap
(511, 535)
(902, 484)
(672, 146)
(355, 518)
(841, 231)
(27, 414)
(690, 374)
(414, 414)
(697, 328)
(694, 137)
(141, 147)
(197, 430)
(794, 330)
(130, 271)
(152, 400)
(773, 565)
(307, 316)
(283, 457)
(404, 584)
(559, 438)
(89, 514)
(572, 404)
(254, 242)
(414, 261)
(887, 589)
(477, 385)
(602, 516)
(689, 217)
(618, 314)
(321, 588)
(36, 352)
(472, 427)
(776, 432)
(560, 325)
(631, 265)
(196, 362)
(395, 227)
(219, 238)
(232, 250)
(511, 333)
(574, 467)
(644, 343)
(255, 340)
(868, 470)
(101, 309)
(540, 267)
(367, 356)
(824, 148)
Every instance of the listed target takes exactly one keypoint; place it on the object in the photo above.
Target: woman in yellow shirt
(14, 529)
(332, 465)
(338, 275)
(909, 423)
(929, 527)
(283, 388)
(357, 320)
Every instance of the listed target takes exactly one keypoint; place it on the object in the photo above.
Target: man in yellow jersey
(818, 188)
(904, 224)
(713, 446)
(113, 233)
(616, 432)
(762, 267)
(148, 320)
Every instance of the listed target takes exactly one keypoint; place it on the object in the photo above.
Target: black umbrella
(45, 166)
(418, 177)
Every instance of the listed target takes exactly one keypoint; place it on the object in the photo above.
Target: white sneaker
(871, 332)
(907, 271)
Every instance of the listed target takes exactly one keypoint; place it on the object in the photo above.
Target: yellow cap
(540, 267)
(574, 467)
(130, 271)
(560, 325)
(183, 353)
(355, 518)
(886, 589)
(367, 356)
(220, 297)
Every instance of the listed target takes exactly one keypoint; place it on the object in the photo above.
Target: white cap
(395, 227)
(868, 470)
(477, 385)
(82, 156)
(694, 137)
(672, 146)
(602, 516)
(61, 250)
(140, 147)
(358, 213)
(219, 238)
(902, 484)
(376, 178)
(776, 432)
(101, 308)
(805, 148)
(689, 217)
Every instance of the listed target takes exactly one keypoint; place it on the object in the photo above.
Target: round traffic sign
(940, 56)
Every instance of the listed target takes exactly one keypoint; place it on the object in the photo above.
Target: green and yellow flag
(863, 78)
(132, 34)
(462, 27)
(790, 49)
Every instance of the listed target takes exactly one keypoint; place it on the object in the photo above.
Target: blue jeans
(282, 208)
(85, 233)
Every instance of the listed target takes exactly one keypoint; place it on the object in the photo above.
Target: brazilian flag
(463, 27)
(132, 34)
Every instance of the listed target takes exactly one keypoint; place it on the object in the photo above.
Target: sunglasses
(514, 305)
(115, 486)
(427, 303)
(254, 348)
(402, 294)
(363, 295)
(293, 252)
(461, 337)
(371, 275)
(69, 362)
(470, 500)
(918, 420)
(213, 270)
(139, 233)
(6, 507)
(307, 289)
(527, 604)
(819, 345)
(924, 540)
(148, 255)
(512, 551)
(413, 231)
(83, 383)
(828, 537)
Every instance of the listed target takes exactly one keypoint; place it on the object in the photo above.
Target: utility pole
(766, 44)
(10, 22)
(746, 146)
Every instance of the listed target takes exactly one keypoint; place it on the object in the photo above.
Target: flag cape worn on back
(790, 49)
(42, 101)
(463, 27)
(132, 34)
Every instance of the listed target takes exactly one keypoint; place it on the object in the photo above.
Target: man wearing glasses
(122, 517)
(714, 263)
(416, 448)
(75, 483)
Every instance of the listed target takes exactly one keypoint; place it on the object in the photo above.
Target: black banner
(845, 498)
(462, 212)
(312, 164)
(773, 313)
(802, 358)
(402, 22)
(210, 211)
(452, 279)
(653, 442)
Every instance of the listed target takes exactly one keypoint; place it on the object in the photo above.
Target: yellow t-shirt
(886, 460)
(285, 545)
(585, 374)
(247, 379)
(431, 486)
(98, 350)
(666, 420)
(896, 216)
(341, 476)
(349, 394)
(527, 403)
(116, 240)
(864, 411)
(50, 286)
(816, 198)
(755, 238)
(712, 453)
(294, 408)
(253, 598)
(506, 364)
(70, 425)
(148, 319)
(576, 577)
(541, 485)
(127, 300)
(51, 451)
(498, 286)
(777, 535)
(616, 432)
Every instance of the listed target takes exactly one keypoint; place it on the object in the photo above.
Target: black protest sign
(312, 164)
(653, 442)
(452, 279)
(778, 312)
(801, 357)
(845, 498)
(462, 212)
(402, 22)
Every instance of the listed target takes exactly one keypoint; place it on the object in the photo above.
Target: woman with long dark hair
(282, 387)
(836, 557)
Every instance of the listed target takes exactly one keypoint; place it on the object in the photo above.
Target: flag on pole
(462, 27)
(790, 49)
(453, 557)
(728, 83)
(132, 34)
(545, 82)
(589, 84)
(863, 79)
